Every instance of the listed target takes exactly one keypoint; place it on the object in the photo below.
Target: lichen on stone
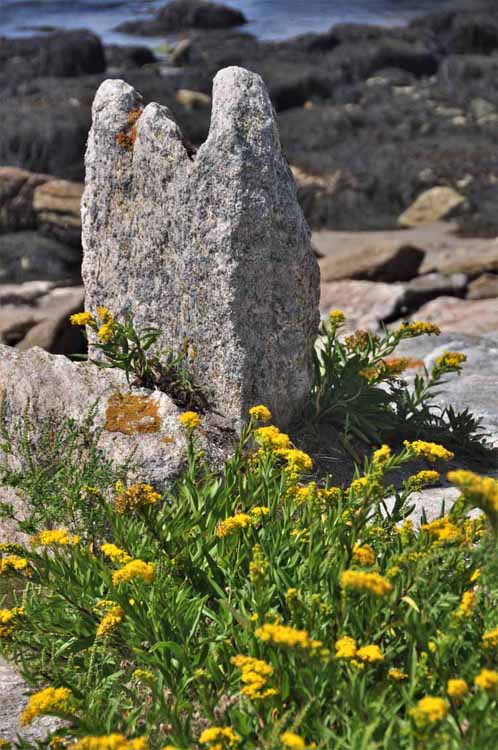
(131, 414)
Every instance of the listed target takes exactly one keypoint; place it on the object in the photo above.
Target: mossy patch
(131, 414)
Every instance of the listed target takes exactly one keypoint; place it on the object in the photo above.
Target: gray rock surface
(476, 388)
(141, 424)
(212, 247)
(29, 256)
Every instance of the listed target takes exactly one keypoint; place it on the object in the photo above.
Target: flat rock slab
(365, 303)
(13, 692)
(432, 205)
(138, 424)
(461, 315)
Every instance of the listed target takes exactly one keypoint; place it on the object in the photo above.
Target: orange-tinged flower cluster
(363, 555)
(134, 497)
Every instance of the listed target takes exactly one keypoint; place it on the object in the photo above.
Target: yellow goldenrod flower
(219, 738)
(419, 328)
(5, 745)
(54, 537)
(83, 319)
(297, 461)
(270, 438)
(132, 570)
(292, 741)
(422, 479)
(451, 361)
(363, 554)
(430, 451)
(475, 575)
(106, 332)
(110, 621)
(258, 512)
(373, 583)
(9, 618)
(457, 688)
(429, 710)
(15, 564)
(135, 496)
(260, 413)
(258, 566)
(443, 530)
(490, 638)
(337, 317)
(110, 742)
(255, 675)
(466, 605)
(345, 648)
(358, 484)
(115, 554)
(370, 654)
(381, 456)
(48, 701)
(487, 679)
(479, 492)
(397, 674)
(283, 635)
(393, 366)
(190, 420)
(232, 524)
(105, 314)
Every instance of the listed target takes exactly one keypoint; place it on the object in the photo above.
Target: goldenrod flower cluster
(336, 317)
(429, 710)
(467, 605)
(110, 621)
(135, 496)
(293, 741)
(232, 524)
(382, 455)
(132, 570)
(260, 413)
(490, 638)
(479, 492)
(457, 688)
(270, 438)
(372, 583)
(48, 701)
(397, 674)
(363, 555)
(15, 564)
(443, 530)
(419, 328)
(451, 361)
(487, 679)
(422, 479)
(83, 319)
(255, 675)
(190, 420)
(370, 654)
(116, 554)
(109, 742)
(144, 675)
(108, 327)
(54, 537)
(345, 648)
(219, 738)
(284, 635)
(430, 451)
(9, 619)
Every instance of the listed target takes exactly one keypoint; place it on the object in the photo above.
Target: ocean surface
(268, 19)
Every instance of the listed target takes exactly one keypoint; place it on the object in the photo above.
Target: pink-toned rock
(461, 315)
(365, 303)
(484, 287)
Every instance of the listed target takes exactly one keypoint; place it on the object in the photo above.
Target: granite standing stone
(209, 246)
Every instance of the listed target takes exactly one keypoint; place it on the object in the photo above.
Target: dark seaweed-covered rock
(61, 54)
(179, 15)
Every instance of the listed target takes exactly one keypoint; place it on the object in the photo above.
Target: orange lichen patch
(168, 439)
(410, 364)
(126, 138)
(131, 414)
